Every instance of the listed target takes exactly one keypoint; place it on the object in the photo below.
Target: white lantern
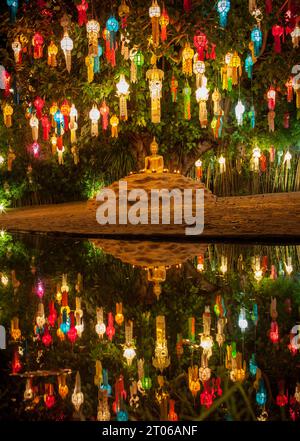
(17, 48)
(100, 327)
(222, 164)
(94, 117)
(243, 323)
(202, 94)
(34, 124)
(67, 46)
(123, 92)
(287, 160)
(256, 154)
(239, 112)
(93, 29)
(77, 396)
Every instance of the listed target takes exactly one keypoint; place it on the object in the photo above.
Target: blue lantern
(122, 415)
(112, 25)
(261, 394)
(223, 7)
(249, 66)
(105, 385)
(60, 122)
(252, 365)
(254, 315)
(65, 326)
(13, 6)
(256, 38)
(97, 59)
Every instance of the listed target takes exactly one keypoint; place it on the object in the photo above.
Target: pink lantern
(110, 330)
(52, 314)
(46, 124)
(200, 43)
(40, 290)
(277, 32)
(82, 8)
(39, 104)
(36, 149)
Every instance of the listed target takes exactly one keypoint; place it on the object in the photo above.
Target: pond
(110, 329)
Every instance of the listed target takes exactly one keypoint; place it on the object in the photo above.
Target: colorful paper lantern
(154, 14)
(123, 93)
(67, 46)
(37, 43)
(256, 38)
(94, 117)
(82, 9)
(239, 112)
(155, 77)
(223, 7)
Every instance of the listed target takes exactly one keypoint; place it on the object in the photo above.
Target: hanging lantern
(191, 329)
(94, 117)
(256, 154)
(67, 45)
(223, 7)
(7, 81)
(93, 29)
(73, 123)
(77, 396)
(239, 112)
(37, 43)
(17, 48)
(49, 398)
(16, 362)
(154, 13)
(236, 68)
(7, 115)
(287, 160)
(82, 9)
(251, 115)
(52, 52)
(119, 317)
(52, 111)
(40, 316)
(277, 32)
(161, 360)
(39, 290)
(123, 93)
(59, 120)
(201, 44)
(129, 347)
(138, 60)
(187, 60)
(261, 394)
(198, 165)
(133, 66)
(104, 112)
(226, 73)
(112, 25)
(114, 122)
(222, 164)
(110, 329)
(63, 389)
(282, 398)
(52, 314)
(96, 66)
(103, 413)
(155, 77)
(199, 70)
(202, 94)
(46, 127)
(274, 332)
(289, 87)
(46, 339)
(187, 101)
(194, 382)
(72, 333)
(271, 120)
(15, 331)
(89, 62)
(206, 340)
(271, 96)
(34, 124)
(220, 337)
(238, 368)
(65, 110)
(123, 12)
(100, 327)
(243, 323)
(174, 87)
(164, 21)
(13, 9)
(256, 38)
(172, 415)
(78, 315)
(249, 66)
(39, 104)
(125, 46)
(296, 37)
(105, 386)
(28, 393)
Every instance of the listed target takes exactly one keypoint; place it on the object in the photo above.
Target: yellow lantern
(187, 60)
(17, 48)
(161, 360)
(67, 45)
(198, 69)
(155, 77)
(216, 98)
(100, 327)
(63, 389)
(194, 382)
(94, 117)
(52, 52)
(256, 154)
(119, 317)
(93, 29)
(123, 93)
(7, 115)
(154, 13)
(52, 111)
(15, 330)
(114, 122)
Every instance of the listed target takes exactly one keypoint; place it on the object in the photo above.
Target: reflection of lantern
(154, 13)
(239, 112)
(77, 396)
(223, 7)
(93, 29)
(67, 46)
(17, 48)
(198, 165)
(155, 77)
(129, 348)
(100, 326)
(187, 60)
(94, 117)
(256, 38)
(37, 42)
(164, 21)
(123, 92)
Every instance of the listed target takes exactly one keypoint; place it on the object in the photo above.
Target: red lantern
(37, 42)
(7, 80)
(46, 127)
(52, 314)
(104, 112)
(110, 330)
(46, 339)
(271, 95)
(289, 87)
(72, 333)
(120, 393)
(187, 6)
(212, 54)
(16, 363)
(172, 415)
(281, 399)
(274, 332)
(200, 43)
(277, 32)
(263, 163)
(164, 21)
(82, 8)
(49, 397)
(268, 6)
(38, 104)
(207, 396)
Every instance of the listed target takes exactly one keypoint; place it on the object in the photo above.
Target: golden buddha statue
(154, 163)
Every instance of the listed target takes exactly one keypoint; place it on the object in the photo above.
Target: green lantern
(146, 383)
(138, 60)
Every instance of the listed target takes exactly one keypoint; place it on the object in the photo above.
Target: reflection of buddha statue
(157, 275)
(155, 162)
